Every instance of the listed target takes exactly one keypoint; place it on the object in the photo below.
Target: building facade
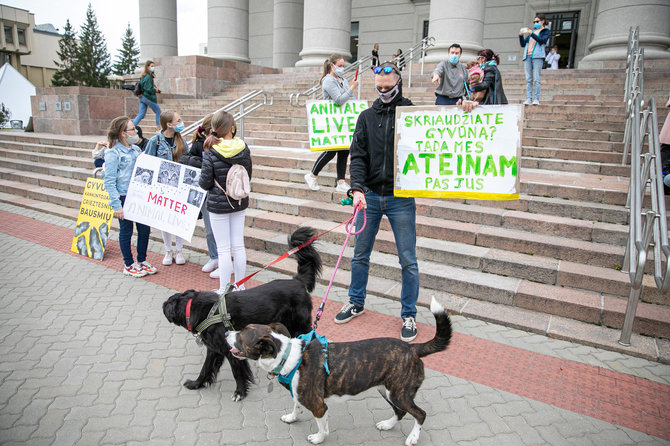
(286, 33)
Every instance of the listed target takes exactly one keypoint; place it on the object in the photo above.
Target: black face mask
(235, 132)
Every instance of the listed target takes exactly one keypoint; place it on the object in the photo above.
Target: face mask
(133, 139)
(453, 59)
(338, 70)
(179, 127)
(537, 26)
(388, 96)
(151, 69)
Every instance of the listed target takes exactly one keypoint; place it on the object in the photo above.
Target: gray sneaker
(408, 332)
(347, 313)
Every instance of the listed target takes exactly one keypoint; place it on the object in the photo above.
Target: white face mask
(133, 139)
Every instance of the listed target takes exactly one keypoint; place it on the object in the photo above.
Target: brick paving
(88, 358)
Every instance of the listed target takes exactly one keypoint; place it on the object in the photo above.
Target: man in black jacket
(372, 182)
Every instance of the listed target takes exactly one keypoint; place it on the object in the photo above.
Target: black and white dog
(389, 363)
(287, 301)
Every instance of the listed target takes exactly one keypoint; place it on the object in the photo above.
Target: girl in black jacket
(492, 81)
(221, 151)
(194, 158)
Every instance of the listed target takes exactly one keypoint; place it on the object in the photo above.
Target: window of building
(426, 25)
(22, 36)
(353, 42)
(5, 58)
(9, 35)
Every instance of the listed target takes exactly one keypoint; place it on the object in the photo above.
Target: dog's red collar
(188, 314)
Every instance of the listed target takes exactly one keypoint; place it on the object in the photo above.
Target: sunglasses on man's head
(379, 70)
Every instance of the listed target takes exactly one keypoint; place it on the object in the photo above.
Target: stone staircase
(548, 263)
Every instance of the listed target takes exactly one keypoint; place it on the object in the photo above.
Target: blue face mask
(152, 69)
(537, 25)
(453, 59)
(339, 71)
(179, 127)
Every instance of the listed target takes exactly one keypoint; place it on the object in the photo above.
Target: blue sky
(113, 17)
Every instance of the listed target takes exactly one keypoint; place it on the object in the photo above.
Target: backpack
(99, 172)
(137, 91)
(237, 184)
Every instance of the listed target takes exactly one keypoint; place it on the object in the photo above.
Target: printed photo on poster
(169, 173)
(144, 176)
(191, 176)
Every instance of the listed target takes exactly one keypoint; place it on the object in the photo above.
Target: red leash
(298, 248)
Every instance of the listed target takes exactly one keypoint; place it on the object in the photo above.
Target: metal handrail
(241, 113)
(647, 227)
(315, 91)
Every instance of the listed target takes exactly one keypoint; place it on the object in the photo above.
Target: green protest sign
(443, 152)
(331, 126)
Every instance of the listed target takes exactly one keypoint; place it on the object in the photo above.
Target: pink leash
(347, 227)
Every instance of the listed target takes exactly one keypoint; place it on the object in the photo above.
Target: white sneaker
(210, 266)
(167, 260)
(526, 102)
(179, 258)
(215, 274)
(311, 182)
(342, 187)
(536, 102)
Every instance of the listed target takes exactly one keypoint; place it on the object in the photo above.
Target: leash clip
(198, 339)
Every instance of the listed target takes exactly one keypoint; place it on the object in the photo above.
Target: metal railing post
(423, 54)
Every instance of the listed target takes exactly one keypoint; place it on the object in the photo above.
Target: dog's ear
(267, 346)
(280, 328)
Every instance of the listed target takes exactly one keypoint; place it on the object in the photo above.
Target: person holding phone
(334, 87)
(533, 42)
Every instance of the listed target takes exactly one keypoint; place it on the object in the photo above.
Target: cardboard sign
(331, 126)
(443, 152)
(95, 217)
(164, 195)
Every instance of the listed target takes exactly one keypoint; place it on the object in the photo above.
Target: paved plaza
(87, 358)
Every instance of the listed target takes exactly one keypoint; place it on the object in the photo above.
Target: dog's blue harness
(307, 338)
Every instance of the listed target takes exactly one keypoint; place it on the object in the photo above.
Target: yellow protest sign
(331, 126)
(95, 217)
(443, 152)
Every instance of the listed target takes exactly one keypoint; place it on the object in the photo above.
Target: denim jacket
(159, 147)
(540, 43)
(119, 164)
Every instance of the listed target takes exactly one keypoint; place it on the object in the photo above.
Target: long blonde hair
(222, 124)
(180, 146)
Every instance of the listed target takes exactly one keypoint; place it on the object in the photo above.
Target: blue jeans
(209, 235)
(126, 233)
(401, 213)
(533, 68)
(445, 100)
(144, 103)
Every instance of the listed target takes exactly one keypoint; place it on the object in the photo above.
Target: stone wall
(90, 109)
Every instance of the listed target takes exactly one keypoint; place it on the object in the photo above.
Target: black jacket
(493, 82)
(193, 157)
(371, 149)
(215, 165)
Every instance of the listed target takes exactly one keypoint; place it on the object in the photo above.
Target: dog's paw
(193, 384)
(238, 396)
(317, 438)
(289, 418)
(413, 437)
(387, 424)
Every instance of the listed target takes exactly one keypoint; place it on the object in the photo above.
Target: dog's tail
(442, 334)
(309, 260)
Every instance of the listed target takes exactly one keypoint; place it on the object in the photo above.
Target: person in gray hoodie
(451, 78)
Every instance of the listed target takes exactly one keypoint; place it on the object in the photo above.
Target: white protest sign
(164, 195)
(331, 126)
(443, 152)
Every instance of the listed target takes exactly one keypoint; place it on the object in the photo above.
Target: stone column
(612, 23)
(287, 32)
(228, 29)
(456, 21)
(158, 28)
(327, 29)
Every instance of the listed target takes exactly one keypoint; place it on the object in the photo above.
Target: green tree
(129, 55)
(93, 60)
(67, 64)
